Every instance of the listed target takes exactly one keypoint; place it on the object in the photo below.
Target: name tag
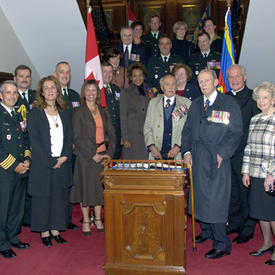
(219, 117)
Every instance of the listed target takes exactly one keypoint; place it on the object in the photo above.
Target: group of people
(53, 141)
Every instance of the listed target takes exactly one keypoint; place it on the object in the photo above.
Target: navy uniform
(157, 68)
(112, 97)
(14, 149)
(23, 106)
(151, 44)
(198, 62)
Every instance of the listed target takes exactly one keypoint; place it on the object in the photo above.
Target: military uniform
(151, 44)
(198, 62)
(72, 99)
(23, 106)
(157, 68)
(112, 98)
(14, 148)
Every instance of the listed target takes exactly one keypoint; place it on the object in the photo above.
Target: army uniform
(14, 149)
(151, 44)
(198, 62)
(71, 98)
(112, 98)
(157, 68)
(27, 103)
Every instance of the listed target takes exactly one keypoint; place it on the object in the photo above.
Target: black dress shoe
(47, 241)
(215, 254)
(59, 239)
(231, 231)
(72, 226)
(270, 262)
(242, 239)
(20, 245)
(260, 253)
(200, 239)
(8, 253)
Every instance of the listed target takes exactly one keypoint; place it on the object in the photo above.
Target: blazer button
(158, 126)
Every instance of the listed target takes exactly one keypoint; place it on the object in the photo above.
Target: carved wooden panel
(5, 76)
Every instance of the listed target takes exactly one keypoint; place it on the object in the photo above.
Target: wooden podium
(145, 217)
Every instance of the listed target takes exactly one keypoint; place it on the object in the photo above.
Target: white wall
(49, 31)
(12, 52)
(258, 48)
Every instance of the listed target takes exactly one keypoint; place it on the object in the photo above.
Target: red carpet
(86, 255)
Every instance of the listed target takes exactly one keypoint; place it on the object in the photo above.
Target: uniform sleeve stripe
(7, 162)
(27, 153)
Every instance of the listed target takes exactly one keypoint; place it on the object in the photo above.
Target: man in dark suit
(210, 137)
(238, 217)
(72, 98)
(112, 93)
(204, 58)
(160, 65)
(152, 37)
(14, 164)
(131, 52)
(22, 77)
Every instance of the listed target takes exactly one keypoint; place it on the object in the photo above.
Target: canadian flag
(92, 61)
(131, 17)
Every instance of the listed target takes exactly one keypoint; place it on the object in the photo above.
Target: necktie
(206, 104)
(165, 58)
(14, 116)
(25, 99)
(108, 89)
(205, 55)
(126, 57)
(65, 93)
(168, 103)
(155, 35)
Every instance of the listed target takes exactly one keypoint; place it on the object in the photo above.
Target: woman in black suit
(51, 136)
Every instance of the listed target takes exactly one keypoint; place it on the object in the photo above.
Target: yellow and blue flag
(199, 27)
(228, 56)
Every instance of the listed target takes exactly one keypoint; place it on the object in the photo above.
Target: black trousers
(12, 200)
(238, 216)
(217, 233)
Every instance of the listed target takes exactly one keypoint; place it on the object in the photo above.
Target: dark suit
(14, 148)
(197, 63)
(31, 97)
(137, 54)
(205, 138)
(42, 176)
(151, 44)
(157, 68)
(238, 216)
(113, 108)
(191, 91)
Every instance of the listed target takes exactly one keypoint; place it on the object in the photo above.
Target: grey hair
(213, 73)
(266, 86)
(163, 78)
(11, 82)
(236, 66)
(125, 28)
